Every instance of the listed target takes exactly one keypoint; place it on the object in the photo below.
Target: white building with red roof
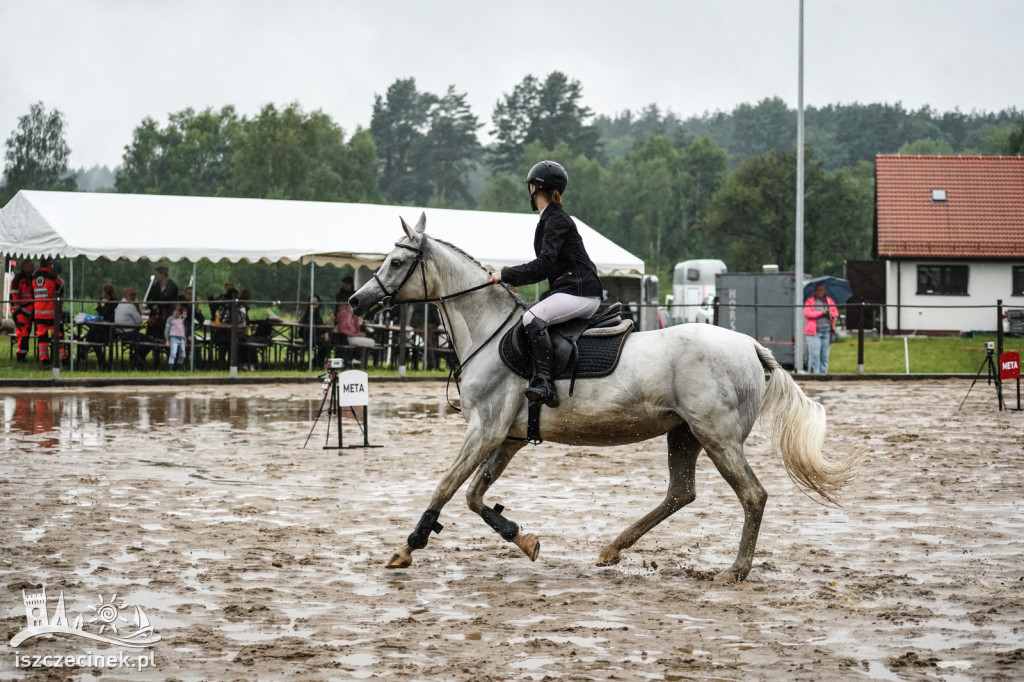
(950, 230)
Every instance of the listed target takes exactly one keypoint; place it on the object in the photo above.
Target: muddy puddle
(254, 557)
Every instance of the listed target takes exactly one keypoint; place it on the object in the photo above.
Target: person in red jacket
(47, 287)
(22, 297)
(821, 314)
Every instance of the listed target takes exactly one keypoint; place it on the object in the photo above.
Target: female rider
(574, 289)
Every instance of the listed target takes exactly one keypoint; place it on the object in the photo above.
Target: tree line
(717, 185)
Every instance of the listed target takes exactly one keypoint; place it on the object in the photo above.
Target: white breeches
(561, 307)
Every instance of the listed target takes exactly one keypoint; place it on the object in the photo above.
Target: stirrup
(537, 394)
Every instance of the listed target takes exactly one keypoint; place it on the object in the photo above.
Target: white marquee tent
(134, 226)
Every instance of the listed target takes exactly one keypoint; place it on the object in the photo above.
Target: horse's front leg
(489, 472)
(475, 448)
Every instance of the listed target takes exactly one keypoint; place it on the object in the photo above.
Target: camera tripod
(988, 364)
(330, 386)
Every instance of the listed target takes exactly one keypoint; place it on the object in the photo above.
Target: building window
(1018, 280)
(942, 280)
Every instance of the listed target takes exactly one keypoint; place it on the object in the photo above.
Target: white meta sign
(353, 388)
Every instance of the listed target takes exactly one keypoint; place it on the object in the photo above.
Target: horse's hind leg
(732, 464)
(488, 473)
(683, 449)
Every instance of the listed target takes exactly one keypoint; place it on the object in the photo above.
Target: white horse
(702, 385)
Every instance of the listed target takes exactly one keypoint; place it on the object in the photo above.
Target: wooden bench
(294, 350)
(82, 348)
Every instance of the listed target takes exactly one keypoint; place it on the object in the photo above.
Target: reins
(456, 369)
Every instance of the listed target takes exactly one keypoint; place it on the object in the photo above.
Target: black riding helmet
(548, 176)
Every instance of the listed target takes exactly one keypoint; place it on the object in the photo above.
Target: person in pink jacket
(821, 313)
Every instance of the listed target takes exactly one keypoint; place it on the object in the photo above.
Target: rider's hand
(495, 277)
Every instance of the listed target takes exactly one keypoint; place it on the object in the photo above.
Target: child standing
(174, 333)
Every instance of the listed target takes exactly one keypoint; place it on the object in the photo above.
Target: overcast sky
(106, 64)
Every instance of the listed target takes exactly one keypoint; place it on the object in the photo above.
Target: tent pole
(312, 323)
(71, 341)
(192, 325)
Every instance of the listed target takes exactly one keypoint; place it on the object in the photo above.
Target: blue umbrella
(839, 290)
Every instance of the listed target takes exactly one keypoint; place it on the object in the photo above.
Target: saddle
(584, 348)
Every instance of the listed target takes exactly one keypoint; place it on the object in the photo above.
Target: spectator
(128, 313)
(106, 307)
(22, 306)
(346, 290)
(821, 314)
(213, 300)
(222, 312)
(222, 315)
(191, 309)
(348, 329)
(165, 290)
(162, 298)
(48, 287)
(323, 340)
(174, 334)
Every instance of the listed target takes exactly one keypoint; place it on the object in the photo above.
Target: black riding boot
(542, 388)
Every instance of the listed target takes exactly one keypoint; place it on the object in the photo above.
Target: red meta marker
(1009, 365)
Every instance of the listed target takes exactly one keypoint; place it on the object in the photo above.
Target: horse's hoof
(609, 557)
(399, 561)
(726, 577)
(529, 544)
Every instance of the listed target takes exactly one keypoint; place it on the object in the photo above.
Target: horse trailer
(693, 282)
(638, 295)
(760, 305)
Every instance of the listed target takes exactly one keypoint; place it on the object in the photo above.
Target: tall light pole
(798, 294)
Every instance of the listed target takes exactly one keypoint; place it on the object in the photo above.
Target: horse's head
(396, 280)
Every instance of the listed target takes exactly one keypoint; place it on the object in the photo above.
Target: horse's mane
(460, 251)
(476, 262)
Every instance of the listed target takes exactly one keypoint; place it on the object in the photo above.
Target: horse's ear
(415, 233)
(408, 230)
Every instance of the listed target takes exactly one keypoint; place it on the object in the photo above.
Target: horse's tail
(797, 425)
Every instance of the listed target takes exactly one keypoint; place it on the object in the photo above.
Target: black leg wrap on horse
(428, 522)
(506, 528)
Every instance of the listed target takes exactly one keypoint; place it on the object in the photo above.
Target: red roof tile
(983, 216)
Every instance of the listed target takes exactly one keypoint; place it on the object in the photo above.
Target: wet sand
(256, 558)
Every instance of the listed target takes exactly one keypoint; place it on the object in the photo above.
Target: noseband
(389, 295)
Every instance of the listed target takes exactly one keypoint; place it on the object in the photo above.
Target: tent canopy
(134, 226)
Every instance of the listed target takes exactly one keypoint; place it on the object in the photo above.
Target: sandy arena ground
(256, 559)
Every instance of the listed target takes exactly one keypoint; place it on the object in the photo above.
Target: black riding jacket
(561, 258)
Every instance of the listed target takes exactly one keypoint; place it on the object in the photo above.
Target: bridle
(456, 369)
